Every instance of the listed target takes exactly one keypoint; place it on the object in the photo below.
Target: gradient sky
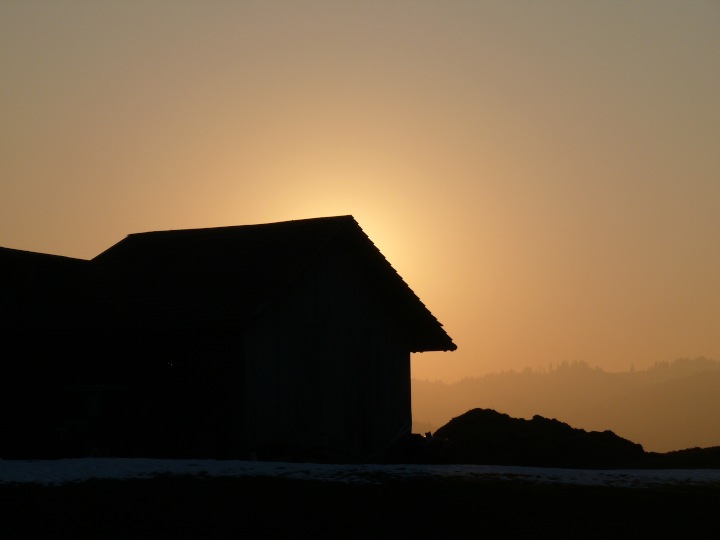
(545, 175)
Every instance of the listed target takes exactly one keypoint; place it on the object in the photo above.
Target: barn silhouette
(287, 340)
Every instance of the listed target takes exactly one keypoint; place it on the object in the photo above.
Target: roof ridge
(247, 225)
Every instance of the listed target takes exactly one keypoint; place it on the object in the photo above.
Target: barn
(288, 340)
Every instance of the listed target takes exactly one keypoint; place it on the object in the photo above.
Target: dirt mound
(484, 436)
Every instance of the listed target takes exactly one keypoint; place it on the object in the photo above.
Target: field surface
(138, 499)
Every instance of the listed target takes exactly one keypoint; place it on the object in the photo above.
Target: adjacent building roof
(30, 283)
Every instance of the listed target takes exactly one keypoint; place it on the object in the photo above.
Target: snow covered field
(57, 472)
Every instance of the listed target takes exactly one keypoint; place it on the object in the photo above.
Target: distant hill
(668, 407)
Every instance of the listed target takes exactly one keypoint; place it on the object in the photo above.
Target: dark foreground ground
(179, 507)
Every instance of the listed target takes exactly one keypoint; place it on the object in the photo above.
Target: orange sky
(544, 175)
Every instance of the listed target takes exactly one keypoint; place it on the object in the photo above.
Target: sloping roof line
(223, 275)
(142, 274)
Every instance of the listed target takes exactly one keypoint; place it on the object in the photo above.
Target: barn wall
(327, 369)
(171, 392)
(200, 378)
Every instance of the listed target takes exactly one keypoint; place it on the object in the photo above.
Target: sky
(63, 471)
(544, 175)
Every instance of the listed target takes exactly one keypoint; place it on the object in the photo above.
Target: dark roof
(228, 275)
(214, 275)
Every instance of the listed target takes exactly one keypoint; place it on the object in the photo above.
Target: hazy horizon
(544, 175)
(667, 407)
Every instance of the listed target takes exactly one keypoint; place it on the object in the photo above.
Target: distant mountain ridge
(670, 406)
